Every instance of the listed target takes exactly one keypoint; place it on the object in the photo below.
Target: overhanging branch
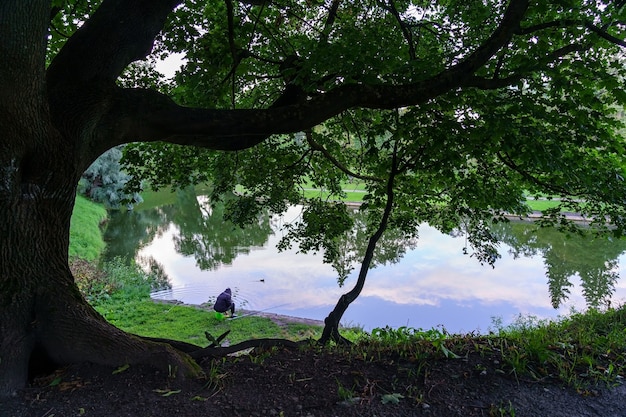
(495, 83)
(117, 34)
(565, 23)
(605, 35)
(506, 159)
(143, 115)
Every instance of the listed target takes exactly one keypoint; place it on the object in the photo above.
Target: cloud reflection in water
(435, 284)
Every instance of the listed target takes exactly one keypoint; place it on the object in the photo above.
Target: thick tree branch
(547, 25)
(141, 115)
(119, 33)
(605, 35)
(495, 83)
(124, 116)
(145, 115)
(508, 27)
(565, 23)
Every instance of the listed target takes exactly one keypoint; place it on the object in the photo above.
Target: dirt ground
(312, 382)
(293, 383)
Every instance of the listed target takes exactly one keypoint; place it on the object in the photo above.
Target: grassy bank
(121, 293)
(582, 350)
(354, 194)
(85, 234)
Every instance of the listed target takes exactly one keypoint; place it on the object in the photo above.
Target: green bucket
(219, 316)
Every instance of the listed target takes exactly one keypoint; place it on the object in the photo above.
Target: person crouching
(225, 302)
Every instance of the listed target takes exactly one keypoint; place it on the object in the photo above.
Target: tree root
(176, 344)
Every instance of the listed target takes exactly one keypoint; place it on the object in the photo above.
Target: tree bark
(43, 316)
(41, 309)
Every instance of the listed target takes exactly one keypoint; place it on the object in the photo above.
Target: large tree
(70, 92)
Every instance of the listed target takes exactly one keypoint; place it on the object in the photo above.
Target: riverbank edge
(279, 319)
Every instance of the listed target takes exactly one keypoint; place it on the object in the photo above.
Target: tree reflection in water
(214, 242)
(593, 259)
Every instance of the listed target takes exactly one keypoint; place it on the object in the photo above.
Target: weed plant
(413, 342)
(580, 349)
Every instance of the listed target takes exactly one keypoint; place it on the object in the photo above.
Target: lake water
(432, 285)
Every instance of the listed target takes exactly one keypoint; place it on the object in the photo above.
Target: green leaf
(121, 369)
(55, 382)
(167, 392)
(392, 398)
(199, 398)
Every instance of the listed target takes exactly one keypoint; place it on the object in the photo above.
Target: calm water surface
(434, 284)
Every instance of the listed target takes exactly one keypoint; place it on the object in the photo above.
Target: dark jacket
(224, 301)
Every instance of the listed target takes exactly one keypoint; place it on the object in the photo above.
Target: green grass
(121, 294)
(577, 349)
(85, 235)
(581, 350)
(540, 205)
(188, 323)
(351, 196)
(345, 185)
(185, 323)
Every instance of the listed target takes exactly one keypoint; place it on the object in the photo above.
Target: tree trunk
(43, 317)
(331, 323)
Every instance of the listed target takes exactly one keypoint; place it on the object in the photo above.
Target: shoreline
(279, 319)
(532, 216)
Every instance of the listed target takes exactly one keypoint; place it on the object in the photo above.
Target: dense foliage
(540, 116)
(104, 181)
